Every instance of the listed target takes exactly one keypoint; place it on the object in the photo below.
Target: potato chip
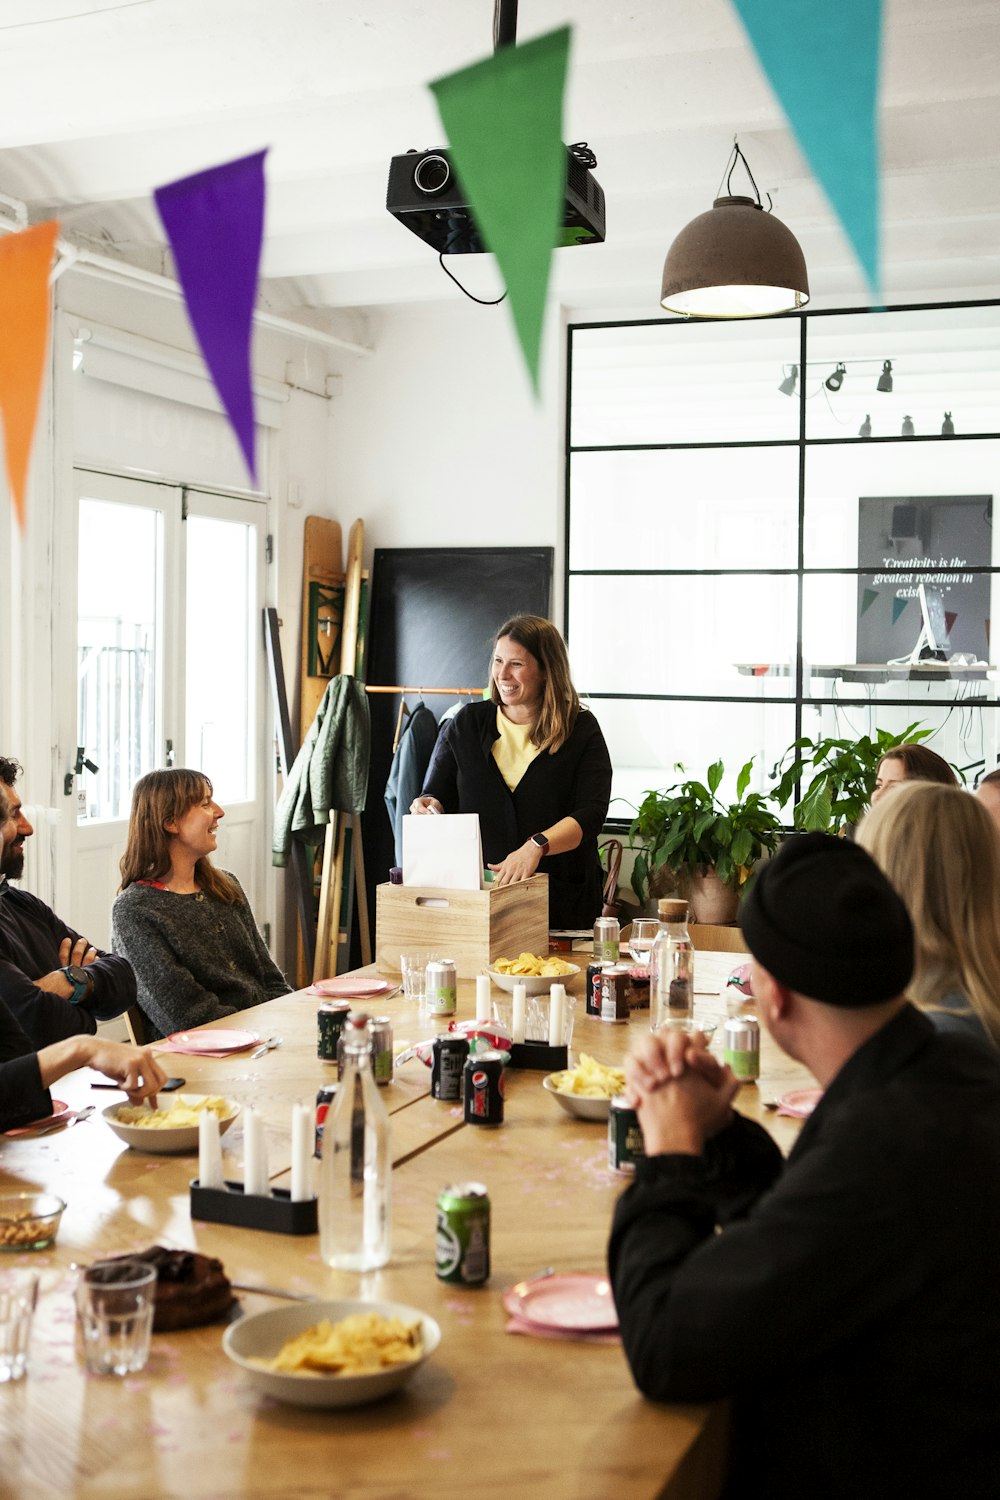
(532, 966)
(590, 1080)
(358, 1345)
(182, 1112)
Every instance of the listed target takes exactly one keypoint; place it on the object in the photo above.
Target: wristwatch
(541, 841)
(79, 978)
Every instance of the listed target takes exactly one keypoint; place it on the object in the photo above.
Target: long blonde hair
(938, 846)
(560, 703)
(159, 798)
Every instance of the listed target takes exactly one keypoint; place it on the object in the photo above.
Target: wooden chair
(135, 1025)
(707, 937)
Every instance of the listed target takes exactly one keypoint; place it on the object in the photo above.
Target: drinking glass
(115, 1300)
(644, 930)
(18, 1295)
(413, 967)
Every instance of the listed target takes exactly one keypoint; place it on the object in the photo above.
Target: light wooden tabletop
(492, 1412)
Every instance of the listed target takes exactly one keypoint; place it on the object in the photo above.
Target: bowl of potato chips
(332, 1353)
(586, 1090)
(534, 971)
(172, 1129)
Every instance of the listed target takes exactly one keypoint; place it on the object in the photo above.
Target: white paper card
(443, 849)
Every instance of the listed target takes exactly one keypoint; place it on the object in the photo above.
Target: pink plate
(579, 1300)
(213, 1041)
(347, 988)
(799, 1102)
(59, 1112)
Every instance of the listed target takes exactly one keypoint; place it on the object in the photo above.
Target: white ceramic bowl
(581, 1105)
(539, 984)
(261, 1335)
(168, 1140)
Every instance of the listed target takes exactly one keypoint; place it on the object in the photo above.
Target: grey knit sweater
(196, 958)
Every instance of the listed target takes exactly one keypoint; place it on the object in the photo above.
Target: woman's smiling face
(519, 679)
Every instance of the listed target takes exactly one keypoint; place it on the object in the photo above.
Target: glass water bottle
(671, 968)
(355, 1203)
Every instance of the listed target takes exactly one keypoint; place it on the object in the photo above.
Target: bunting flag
(823, 64)
(867, 600)
(503, 120)
(215, 224)
(25, 263)
(898, 605)
(950, 616)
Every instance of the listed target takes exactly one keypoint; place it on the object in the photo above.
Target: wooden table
(490, 1413)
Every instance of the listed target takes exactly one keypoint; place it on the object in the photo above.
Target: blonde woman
(939, 848)
(532, 762)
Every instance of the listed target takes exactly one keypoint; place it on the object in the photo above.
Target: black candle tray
(539, 1056)
(275, 1213)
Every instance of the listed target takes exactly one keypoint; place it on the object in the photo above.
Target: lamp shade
(735, 261)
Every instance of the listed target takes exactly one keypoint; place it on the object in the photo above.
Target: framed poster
(918, 588)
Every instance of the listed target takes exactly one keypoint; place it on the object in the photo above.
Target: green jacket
(330, 773)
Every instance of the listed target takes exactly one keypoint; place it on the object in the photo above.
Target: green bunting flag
(898, 605)
(868, 599)
(503, 120)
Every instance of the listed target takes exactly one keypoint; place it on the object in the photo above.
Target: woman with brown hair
(911, 763)
(938, 846)
(532, 762)
(184, 926)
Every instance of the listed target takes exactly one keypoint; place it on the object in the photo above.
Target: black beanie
(822, 918)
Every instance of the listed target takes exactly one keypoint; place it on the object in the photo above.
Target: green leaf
(743, 781)
(741, 847)
(715, 774)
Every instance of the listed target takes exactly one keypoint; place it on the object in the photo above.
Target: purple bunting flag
(215, 223)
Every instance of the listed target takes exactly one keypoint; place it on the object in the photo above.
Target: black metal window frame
(802, 443)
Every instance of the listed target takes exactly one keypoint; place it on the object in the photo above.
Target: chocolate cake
(191, 1289)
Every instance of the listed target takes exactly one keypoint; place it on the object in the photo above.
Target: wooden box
(470, 927)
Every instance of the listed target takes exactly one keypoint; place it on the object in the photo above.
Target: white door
(170, 670)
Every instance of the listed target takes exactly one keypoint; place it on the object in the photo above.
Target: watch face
(76, 974)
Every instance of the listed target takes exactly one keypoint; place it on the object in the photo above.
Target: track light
(787, 386)
(865, 430)
(835, 381)
(907, 427)
(885, 379)
(947, 426)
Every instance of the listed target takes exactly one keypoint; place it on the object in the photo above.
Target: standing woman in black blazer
(532, 762)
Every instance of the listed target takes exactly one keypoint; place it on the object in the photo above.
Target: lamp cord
(735, 157)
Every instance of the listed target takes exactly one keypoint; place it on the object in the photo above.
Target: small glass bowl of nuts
(29, 1221)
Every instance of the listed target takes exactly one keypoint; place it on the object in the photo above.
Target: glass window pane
(968, 741)
(647, 739)
(221, 632)
(698, 635)
(685, 508)
(684, 383)
(119, 651)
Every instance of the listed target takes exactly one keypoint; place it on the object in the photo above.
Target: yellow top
(513, 751)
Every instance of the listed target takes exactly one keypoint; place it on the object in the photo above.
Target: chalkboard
(433, 614)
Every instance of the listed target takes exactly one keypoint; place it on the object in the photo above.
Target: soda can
(614, 984)
(448, 1061)
(324, 1099)
(593, 990)
(330, 1020)
(607, 934)
(442, 987)
(381, 1048)
(625, 1143)
(462, 1242)
(741, 1047)
(482, 1087)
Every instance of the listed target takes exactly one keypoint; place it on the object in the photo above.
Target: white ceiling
(103, 100)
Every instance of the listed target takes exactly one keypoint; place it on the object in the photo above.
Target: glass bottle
(671, 967)
(355, 1194)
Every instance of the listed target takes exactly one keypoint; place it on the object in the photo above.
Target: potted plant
(843, 776)
(687, 829)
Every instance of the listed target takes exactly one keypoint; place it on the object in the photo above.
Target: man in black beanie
(848, 1306)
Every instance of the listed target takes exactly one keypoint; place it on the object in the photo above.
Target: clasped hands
(683, 1094)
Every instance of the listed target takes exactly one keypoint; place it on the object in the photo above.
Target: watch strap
(79, 979)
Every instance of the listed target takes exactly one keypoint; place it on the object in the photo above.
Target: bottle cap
(671, 909)
(395, 876)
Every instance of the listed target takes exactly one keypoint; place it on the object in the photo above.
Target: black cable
(483, 301)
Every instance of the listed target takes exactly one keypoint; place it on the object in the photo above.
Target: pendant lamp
(735, 261)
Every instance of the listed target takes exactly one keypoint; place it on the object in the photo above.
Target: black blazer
(575, 782)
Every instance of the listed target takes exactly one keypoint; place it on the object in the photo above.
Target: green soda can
(462, 1243)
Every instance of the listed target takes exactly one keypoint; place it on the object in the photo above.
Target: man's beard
(12, 862)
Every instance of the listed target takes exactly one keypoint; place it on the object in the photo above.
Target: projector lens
(431, 175)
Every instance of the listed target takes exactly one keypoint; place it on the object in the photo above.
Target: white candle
(482, 997)
(557, 1014)
(520, 1016)
(255, 1182)
(209, 1151)
(302, 1145)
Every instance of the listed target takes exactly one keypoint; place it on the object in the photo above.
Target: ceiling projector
(425, 194)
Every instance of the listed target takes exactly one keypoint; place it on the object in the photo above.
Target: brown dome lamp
(735, 261)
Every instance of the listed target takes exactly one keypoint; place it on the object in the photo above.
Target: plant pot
(709, 900)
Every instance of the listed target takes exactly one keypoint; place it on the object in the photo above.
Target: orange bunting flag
(25, 263)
